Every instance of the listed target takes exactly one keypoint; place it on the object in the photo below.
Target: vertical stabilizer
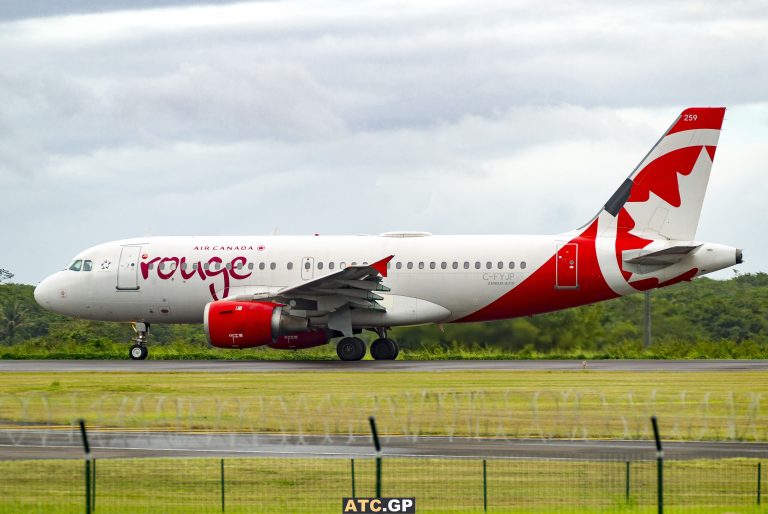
(662, 198)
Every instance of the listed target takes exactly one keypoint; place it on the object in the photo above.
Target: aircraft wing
(351, 287)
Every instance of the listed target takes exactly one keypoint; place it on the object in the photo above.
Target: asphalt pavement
(66, 443)
(224, 366)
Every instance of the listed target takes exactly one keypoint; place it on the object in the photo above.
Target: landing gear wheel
(384, 349)
(397, 349)
(350, 349)
(138, 352)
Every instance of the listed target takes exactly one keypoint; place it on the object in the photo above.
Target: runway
(225, 366)
(53, 444)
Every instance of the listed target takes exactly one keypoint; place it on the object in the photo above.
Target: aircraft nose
(40, 294)
(43, 293)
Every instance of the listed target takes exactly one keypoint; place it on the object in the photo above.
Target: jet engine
(248, 324)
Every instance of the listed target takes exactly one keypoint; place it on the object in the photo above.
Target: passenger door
(567, 266)
(128, 269)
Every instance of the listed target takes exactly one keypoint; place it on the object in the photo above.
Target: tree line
(703, 318)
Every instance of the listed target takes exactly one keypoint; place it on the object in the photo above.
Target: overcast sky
(125, 118)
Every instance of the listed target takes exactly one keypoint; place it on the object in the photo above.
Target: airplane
(294, 292)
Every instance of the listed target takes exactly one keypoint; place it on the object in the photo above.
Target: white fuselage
(431, 278)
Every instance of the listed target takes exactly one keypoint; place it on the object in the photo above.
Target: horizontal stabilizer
(671, 255)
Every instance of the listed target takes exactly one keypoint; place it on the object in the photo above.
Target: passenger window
(477, 264)
(216, 265)
(501, 265)
(466, 264)
(320, 265)
(455, 265)
(431, 265)
(342, 265)
(421, 265)
(399, 265)
(206, 266)
(250, 265)
(488, 265)
(389, 265)
(261, 266)
(184, 266)
(444, 265)
(272, 265)
(229, 265)
(523, 265)
(353, 264)
(307, 265)
(330, 265)
(239, 265)
(409, 265)
(87, 265)
(290, 265)
(511, 264)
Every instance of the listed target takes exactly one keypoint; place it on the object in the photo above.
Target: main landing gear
(353, 348)
(384, 349)
(350, 349)
(139, 349)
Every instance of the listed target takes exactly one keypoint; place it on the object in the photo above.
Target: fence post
(222, 485)
(485, 488)
(352, 461)
(93, 486)
(627, 483)
(759, 480)
(87, 450)
(376, 443)
(659, 465)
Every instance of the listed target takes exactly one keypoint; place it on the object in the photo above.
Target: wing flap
(351, 287)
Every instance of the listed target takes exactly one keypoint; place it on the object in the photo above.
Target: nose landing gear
(139, 349)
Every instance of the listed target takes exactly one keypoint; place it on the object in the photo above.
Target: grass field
(690, 405)
(318, 485)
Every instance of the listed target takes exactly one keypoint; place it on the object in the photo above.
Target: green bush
(701, 319)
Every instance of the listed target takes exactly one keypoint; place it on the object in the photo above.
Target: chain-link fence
(317, 485)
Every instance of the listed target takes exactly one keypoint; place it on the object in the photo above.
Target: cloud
(451, 117)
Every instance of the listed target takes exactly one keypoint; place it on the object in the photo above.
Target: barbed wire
(498, 414)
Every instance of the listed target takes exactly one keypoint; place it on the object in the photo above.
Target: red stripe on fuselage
(653, 283)
(538, 294)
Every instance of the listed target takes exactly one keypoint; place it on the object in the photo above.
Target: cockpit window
(87, 265)
(76, 265)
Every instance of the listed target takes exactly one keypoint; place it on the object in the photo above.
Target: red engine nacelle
(301, 340)
(248, 324)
